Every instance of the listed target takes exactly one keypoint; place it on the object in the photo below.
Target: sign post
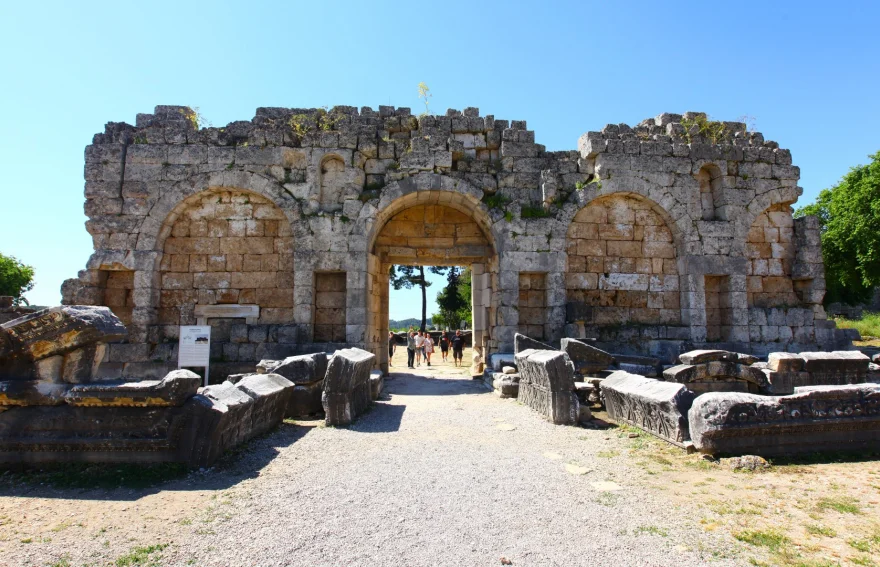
(195, 348)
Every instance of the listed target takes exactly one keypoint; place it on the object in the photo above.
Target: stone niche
(533, 305)
(622, 265)
(330, 291)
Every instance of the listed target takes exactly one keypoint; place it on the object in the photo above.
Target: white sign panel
(195, 347)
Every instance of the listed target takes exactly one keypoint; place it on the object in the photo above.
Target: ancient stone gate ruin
(279, 232)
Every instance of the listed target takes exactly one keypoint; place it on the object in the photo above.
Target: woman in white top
(420, 342)
(429, 348)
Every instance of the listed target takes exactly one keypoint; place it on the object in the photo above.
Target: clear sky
(807, 71)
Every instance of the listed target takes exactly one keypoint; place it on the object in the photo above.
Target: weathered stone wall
(647, 236)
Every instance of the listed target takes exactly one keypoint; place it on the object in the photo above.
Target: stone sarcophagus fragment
(307, 372)
(660, 408)
(347, 392)
(60, 345)
(587, 359)
(814, 418)
(547, 385)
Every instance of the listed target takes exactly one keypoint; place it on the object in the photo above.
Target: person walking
(392, 346)
(410, 349)
(458, 347)
(420, 343)
(429, 348)
(444, 346)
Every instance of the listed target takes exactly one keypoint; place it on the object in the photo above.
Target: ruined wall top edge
(298, 126)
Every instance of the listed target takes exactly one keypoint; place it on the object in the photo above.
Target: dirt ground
(815, 511)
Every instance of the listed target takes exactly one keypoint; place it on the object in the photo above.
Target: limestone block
(172, 390)
(547, 385)
(815, 418)
(836, 362)
(347, 386)
(586, 358)
(271, 395)
(506, 385)
(522, 342)
(784, 362)
(59, 330)
(703, 356)
(302, 369)
(81, 365)
(377, 384)
(660, 408)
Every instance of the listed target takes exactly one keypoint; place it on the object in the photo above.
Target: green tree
(454, 300)
(849, 216)
(407, 277)
(16, 278)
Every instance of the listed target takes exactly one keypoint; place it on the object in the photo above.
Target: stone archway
(432, 228)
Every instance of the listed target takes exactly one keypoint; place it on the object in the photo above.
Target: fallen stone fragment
(522, 342)
(172, 390)
(59, 330)
(660, 408)
(547, 385)
(702, 356)
(377, 383)
(814, 418)
(586, 358)
(302, 369)
(784, 362)
(505, 427)
(347, 386)
(508, 370)
(746, 462)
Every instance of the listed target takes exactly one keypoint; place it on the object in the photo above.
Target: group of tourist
(420, 346)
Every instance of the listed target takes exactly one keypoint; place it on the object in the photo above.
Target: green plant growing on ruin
(508, 216)
(495, 201)
(750, 122)
(195, 117)
(530, 212)
(425, 94)
(712, 130)
(140, 140)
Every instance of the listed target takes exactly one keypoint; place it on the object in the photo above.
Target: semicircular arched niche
(622, 268)
(227, 247)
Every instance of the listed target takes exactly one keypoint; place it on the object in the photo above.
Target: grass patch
(868, 325)
(63, 562)
(529, 212)
(607, 454)
(90, 476)
(141, 556)
(771, 539)
(840, 504)
(654, 530)
(607, 499)
(816, 529)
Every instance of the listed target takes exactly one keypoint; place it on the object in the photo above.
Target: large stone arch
(624, 268)
(446, 218)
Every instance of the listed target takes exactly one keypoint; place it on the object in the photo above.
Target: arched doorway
(433, 228)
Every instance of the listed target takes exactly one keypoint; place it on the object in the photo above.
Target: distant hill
(405, 323)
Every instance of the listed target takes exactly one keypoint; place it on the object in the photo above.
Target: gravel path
(440, 472)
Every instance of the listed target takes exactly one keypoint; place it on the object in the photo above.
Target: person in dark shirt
(457, 348)
(444, 345)
(392, 346)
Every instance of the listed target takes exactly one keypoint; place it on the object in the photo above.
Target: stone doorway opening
(432, 228)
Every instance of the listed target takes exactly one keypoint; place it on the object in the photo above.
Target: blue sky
(808, 72)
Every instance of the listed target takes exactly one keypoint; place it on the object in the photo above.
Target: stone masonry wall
(675, 202)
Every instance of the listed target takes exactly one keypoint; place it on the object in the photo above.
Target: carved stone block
(547, 385)
(814, 418)
(172, 390)
(660, 408)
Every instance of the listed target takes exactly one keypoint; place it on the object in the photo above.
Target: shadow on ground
(414, 385)
(129, 482)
